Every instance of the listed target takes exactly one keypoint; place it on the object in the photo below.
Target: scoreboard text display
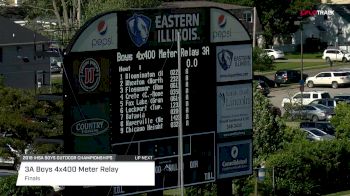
(121, 92)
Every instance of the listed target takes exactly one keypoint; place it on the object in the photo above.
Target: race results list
(148, 94)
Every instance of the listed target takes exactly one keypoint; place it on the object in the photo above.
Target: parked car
(322, 125)
(7, 173)
(263, 88)
(306, 96)
(335, 55)
(314, 112)
(315, 134)
(342, 96)
(274, 53)
(54, 68)
(267, 80)
(329, 78)
(7, 158)
(288, 76)
(329, 102)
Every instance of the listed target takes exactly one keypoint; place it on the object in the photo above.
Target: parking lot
(277, 94)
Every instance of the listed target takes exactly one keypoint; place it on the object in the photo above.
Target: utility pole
(301, 83)
(254, 27)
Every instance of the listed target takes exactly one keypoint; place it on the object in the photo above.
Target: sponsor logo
(316, 12)
(222, 21)
(102, 41)
(223, 31)
(225, 59)
(138, 29)
(102, 27)
(234, 152)
(89, 75)
(89, 127)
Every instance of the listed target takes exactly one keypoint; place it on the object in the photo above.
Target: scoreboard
(122, 93)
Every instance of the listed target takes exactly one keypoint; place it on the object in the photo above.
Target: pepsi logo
(102, 27)
(222, 21)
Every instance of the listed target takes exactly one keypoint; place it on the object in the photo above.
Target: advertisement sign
(226, 28)
(90, 129)
(99, 35)
(234, 109)
(234, 159)
(233, 62)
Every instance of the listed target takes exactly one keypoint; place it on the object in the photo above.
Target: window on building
(247, 16)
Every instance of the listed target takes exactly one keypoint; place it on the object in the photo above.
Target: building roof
(14, 34)
(189, 4)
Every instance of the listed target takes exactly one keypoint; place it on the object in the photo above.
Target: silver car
(314, 112)
(315, 134)
(6, 160)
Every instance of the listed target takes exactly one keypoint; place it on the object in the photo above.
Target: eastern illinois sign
(122, 91)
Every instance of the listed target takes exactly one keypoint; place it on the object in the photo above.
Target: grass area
(56, 80)
(297, 65)
(343, 193)
(305, 55)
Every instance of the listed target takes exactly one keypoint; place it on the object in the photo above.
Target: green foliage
(268, 129)
(8, 187)
(38, 9)
(27, 118)
(95, 7)
(310, 168)
(341, 120)
(208, 189)
(277, 17)
(261, 62)
(237, 2)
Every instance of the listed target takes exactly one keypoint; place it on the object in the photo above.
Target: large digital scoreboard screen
(121, 91)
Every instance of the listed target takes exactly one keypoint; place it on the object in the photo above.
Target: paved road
(277, 94)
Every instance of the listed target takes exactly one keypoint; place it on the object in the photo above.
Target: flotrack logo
(102, 41)
(89, 75)
(138, 29)
(225, 59)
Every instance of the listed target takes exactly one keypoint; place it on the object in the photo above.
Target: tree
(277, 18)
(95, 7)
(341, 120)
(20, 114)
(66, 14)
(268, 130)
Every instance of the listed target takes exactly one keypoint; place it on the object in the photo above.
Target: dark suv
(324, 126)
(288, 76)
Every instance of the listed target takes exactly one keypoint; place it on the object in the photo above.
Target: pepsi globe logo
(102, 27)
(89, 75)
(222, 21)
(101, 41)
